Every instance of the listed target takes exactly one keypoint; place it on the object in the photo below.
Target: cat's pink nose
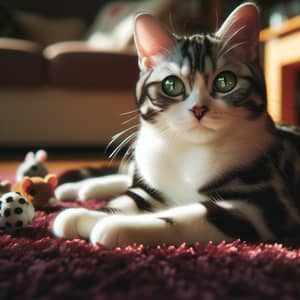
(199, 111)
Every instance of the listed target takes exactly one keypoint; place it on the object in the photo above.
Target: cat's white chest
(178, 172)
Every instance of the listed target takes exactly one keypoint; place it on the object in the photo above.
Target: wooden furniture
(281, 63)
(201, 16)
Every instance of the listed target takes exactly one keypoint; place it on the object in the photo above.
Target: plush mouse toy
(15, 211)
(37, 190)
(33, 165)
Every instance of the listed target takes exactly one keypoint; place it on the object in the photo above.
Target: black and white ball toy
(15, 211)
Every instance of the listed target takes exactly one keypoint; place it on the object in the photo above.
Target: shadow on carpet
(35, 265)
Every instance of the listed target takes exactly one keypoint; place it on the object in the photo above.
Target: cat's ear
(151, 39)
(240, 32)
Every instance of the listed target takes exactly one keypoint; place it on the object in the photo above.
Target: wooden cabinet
(282, 64)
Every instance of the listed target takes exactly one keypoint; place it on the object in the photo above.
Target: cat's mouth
(199, 111)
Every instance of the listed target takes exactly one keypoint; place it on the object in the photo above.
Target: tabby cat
(209, 162)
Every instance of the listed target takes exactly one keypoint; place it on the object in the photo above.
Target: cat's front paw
(103, 187)
(114, 231)
(76, 222)
(109, 232)
(67, 191)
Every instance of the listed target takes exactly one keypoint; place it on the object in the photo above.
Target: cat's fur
(208, 165)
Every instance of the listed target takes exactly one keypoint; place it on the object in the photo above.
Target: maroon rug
(35, 265)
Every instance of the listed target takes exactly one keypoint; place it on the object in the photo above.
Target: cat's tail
(93, 183)
(75, 175)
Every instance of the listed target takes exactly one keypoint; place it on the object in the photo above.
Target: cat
(209, 162)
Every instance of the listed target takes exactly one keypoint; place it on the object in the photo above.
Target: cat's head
(203, 86)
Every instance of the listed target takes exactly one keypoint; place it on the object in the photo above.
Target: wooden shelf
(288, 27)
(282, 63)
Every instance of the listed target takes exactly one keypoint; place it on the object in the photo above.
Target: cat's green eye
(172, 86)
(225, 82)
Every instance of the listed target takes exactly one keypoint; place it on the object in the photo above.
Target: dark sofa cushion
(75, 64)
(21, 63)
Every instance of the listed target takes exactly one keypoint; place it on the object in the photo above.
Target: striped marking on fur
(232, 222)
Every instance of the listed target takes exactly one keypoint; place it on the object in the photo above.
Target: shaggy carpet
(35, 265)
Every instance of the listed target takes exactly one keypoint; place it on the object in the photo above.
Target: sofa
(63, 94)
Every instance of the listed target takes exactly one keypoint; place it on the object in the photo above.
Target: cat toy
(17, 207)
(15, 211)
(33, 165)
(39, 191)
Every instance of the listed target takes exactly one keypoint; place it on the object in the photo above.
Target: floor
(7, 166)
(58, 159)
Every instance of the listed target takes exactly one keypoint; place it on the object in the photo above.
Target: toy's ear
(240, 32)
(52, 180)
(41, 156)
(151, 39)
(5, 185)
(29, 157)
(26, 184)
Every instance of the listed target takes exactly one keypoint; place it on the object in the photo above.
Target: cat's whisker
(128, 154)
(129, 112)
(217, 18)
(129, 120)
(118, 135)
(121, 145)
(172, 23)
(130, 150)
(118, 148)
